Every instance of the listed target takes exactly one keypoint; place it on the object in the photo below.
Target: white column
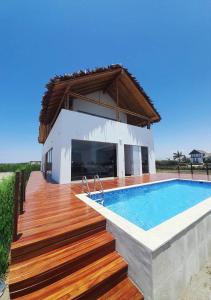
(151, 155)
(65, 163)
(140, 159)
(120, 159)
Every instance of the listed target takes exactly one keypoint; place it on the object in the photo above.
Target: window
(132, 160)
(145, 160)
(92, 158)
(48, 162)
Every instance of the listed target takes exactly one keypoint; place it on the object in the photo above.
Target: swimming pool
(162, 229)
(150, 205)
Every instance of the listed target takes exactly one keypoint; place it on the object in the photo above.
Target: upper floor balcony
(110, 93)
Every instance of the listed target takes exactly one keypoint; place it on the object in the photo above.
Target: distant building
(197, 156)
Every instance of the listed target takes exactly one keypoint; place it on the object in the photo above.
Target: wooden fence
(19, 199)
(188, 168)
(205, 169)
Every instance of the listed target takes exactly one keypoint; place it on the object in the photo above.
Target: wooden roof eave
(82, 79)
(99, 79)
(129, 84)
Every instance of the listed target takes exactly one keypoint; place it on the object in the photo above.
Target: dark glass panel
(91, 158)
(145, 160)
(132, 160)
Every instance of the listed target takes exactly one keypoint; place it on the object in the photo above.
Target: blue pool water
(150, 205)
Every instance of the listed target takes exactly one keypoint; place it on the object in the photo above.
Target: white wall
(74, 125)
(138, 257)
(88, 107)
(198, 160)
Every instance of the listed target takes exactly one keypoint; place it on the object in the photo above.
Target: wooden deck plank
(60, 261)
(84, 281)
(124, 290)
(54, 221)
(43, 238)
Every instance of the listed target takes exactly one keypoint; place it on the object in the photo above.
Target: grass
(6, 220)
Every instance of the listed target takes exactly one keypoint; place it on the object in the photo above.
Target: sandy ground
(4, 174)
(199, 287)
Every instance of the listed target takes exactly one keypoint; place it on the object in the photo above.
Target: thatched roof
(91, 80)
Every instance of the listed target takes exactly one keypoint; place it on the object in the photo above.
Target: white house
(96, 122)
(197, 156)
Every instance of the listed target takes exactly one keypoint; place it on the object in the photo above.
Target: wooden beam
(130, 85)
(110, 84)
(59, 107)
(117, 108)
(67, 102)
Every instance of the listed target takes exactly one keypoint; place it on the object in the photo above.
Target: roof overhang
(131, 95)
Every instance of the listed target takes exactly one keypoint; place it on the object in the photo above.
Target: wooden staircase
(78, 261)
(85, 268)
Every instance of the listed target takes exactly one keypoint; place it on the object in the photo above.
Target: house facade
(197, 156)
(96, 122)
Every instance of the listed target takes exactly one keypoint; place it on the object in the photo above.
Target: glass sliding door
(91, 158)
(48, 164)
(145, 160)
(132, 160)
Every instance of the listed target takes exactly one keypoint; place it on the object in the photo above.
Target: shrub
(208, 159)
(166, 164)
(7, 208)
(18, 166)
(6, 220)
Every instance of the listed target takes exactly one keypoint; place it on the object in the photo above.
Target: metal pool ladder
(98, 183)
(98, 187)
(85, 186)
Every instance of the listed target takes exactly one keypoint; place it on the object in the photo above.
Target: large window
(91, 158)
(136, 157)
(145, 160)
(48, 162)
(132, 160)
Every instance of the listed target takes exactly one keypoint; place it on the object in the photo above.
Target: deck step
(124, 290)
(86, 283)
(36, 272)
(43, 242)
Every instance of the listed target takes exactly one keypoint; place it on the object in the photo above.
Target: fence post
(178, 168)
(207, 168)
(22, 191)
(16, 205)
(191, 168)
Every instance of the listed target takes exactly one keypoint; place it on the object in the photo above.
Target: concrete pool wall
(162, 260)
(138, 257)
(165, 272)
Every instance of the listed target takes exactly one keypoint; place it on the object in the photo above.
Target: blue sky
(165, 44)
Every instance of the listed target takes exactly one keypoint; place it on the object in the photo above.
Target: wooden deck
(64, 250)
